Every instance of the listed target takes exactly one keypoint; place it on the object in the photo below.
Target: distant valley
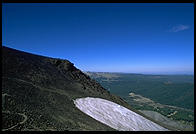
(170, 95)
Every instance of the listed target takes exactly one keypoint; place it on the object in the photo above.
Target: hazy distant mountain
(38, 94)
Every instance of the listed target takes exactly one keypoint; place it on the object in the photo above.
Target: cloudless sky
(105, 37)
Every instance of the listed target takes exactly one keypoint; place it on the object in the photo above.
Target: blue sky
(105, 37)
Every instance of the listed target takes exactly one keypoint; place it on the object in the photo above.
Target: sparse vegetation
(175, 90)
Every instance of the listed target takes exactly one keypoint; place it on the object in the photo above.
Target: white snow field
(115, 116)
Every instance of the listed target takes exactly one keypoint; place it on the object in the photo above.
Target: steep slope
(38, 93)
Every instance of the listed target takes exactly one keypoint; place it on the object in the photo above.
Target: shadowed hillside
(38, 94)
(42, 89)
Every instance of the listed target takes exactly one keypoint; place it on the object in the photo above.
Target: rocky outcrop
(44, 88)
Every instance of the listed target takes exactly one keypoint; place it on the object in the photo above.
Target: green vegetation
(173, 90)
(176, 90)
(184, 115)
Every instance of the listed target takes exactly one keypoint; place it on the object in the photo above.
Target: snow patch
(115, 116)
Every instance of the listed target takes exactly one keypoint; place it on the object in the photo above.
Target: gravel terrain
(160, 118)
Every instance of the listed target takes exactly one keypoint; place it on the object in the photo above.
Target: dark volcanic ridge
(38, 94)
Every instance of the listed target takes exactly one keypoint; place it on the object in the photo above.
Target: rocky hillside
(38, 94)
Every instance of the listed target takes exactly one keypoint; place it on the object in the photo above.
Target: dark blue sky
(111, 37)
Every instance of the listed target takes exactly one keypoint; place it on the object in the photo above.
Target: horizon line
(140, 73)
